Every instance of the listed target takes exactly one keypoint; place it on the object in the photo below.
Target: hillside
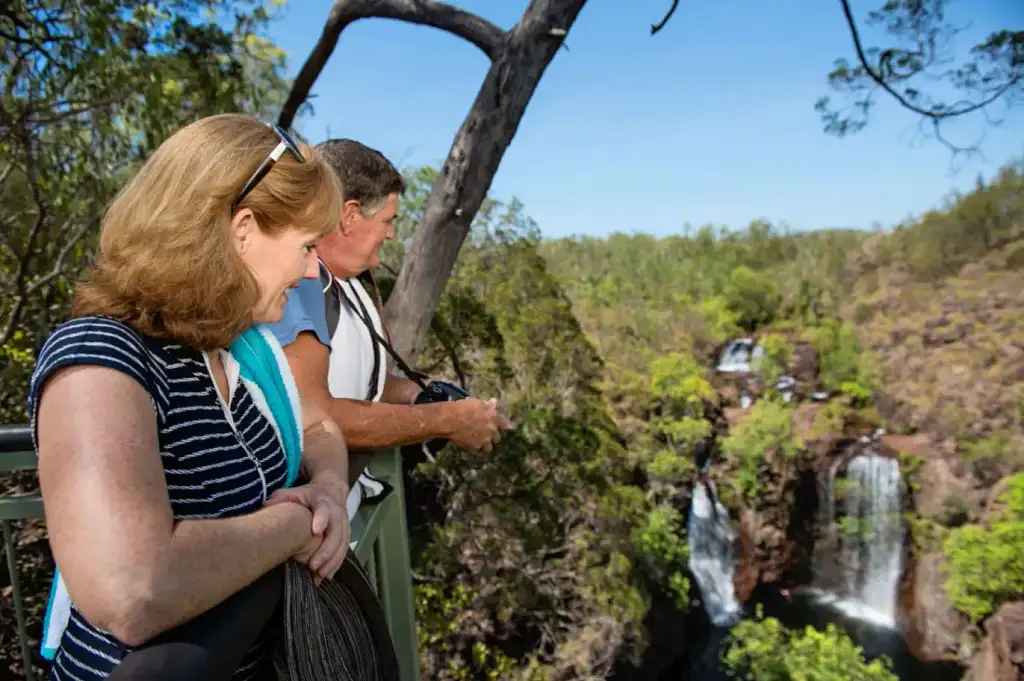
(916, 334)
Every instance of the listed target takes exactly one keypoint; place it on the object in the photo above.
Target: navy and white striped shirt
(209, 473)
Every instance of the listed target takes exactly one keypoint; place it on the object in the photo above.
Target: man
(347, 370)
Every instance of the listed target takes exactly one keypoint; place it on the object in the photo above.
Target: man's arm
(324, 454)
(398, 390)
(366, 425)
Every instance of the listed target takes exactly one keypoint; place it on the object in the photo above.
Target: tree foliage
(89, 89)
(926, 69)
(986, 565)
(761, 649)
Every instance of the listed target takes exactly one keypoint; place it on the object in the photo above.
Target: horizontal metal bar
(21, 508)
(15, 438)
(18, 461)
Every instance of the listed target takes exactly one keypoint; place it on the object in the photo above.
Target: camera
(438, 391)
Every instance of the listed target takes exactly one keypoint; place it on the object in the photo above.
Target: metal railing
(380, 541)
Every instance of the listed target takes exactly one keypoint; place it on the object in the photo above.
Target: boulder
(804, 363)
(1001, 656)
(937, 627)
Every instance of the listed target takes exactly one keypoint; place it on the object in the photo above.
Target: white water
(859, 571)
(713, 555)
(737, 356)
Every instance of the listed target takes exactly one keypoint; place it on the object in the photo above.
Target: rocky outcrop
(1001, 656)
(936, 630)
(944, 493)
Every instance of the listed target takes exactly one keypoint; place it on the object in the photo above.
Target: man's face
(355, 248)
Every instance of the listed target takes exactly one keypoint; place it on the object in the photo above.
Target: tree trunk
(470, 166)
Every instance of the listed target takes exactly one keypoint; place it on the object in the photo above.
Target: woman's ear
(243, 226)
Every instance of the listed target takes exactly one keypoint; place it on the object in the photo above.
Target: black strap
(364, 316)
(333, 298)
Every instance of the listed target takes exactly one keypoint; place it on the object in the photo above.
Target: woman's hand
(325, 497)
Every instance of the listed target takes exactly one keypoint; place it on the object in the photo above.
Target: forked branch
(480, 32)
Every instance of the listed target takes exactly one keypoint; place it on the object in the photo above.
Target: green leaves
(89, 89)
(761, 649)
(986, 564)
(765, 437)
(921, 59)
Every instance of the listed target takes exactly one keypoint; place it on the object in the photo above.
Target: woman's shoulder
(93, 335)
(96, 341)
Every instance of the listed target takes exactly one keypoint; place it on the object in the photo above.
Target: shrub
(986, 565)
(768, 428)
(753, 297)
(774, 360)
(661, 540)
(761, 649)
(842, 364)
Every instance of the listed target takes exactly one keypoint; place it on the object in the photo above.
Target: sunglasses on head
(286, 144)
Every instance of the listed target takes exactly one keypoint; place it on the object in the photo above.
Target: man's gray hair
(366, 175)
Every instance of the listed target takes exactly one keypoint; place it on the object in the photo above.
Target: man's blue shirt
(304, 311)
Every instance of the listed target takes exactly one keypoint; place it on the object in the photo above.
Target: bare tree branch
(482, 33)
(661, 24)
(935, 113)
(58, 264)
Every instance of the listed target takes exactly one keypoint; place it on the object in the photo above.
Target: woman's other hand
(325, 498)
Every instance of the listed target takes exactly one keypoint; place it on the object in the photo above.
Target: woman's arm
(130, 569)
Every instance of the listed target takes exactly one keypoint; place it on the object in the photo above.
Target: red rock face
(1001, 657)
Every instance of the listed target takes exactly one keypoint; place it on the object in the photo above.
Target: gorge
(858, 562)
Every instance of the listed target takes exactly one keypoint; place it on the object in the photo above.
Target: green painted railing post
(394, 569)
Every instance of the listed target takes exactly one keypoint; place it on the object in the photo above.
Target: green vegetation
(90, 88)
(761, 649)
(842, 363)
(986, 564)
(766, 434)
(773, 364)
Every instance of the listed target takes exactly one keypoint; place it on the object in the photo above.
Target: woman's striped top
(209, 473)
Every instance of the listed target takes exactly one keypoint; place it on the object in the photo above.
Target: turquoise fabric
(258, 363)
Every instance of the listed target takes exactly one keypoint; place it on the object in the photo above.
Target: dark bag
(211, 646)
(286, 605)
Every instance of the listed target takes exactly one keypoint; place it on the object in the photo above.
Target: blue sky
(710, 121)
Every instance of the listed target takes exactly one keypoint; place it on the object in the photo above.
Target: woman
(157, 467)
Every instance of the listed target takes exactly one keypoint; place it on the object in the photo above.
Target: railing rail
(379, 540)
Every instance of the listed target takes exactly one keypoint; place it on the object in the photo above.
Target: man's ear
(243, 229)
(350, 212)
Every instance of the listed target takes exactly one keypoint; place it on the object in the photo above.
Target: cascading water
(737, 356)
(858, 569)
(713, 554)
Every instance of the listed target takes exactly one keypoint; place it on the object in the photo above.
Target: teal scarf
(261, 362)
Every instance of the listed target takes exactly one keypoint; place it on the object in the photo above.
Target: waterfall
(713, 554)
(858, 569)
(737, 355)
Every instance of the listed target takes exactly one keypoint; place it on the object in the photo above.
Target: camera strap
(335, 296)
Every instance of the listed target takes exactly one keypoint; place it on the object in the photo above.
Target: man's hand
(325, 498)
(476, 425)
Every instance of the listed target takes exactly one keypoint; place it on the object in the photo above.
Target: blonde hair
(167, 265)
